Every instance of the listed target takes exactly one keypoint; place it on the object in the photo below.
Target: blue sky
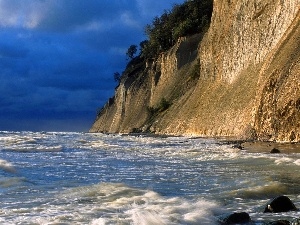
(57, 58)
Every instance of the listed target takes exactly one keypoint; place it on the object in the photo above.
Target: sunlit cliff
(241, 79)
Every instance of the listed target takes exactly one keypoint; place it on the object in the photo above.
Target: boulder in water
(295, 222)
(280, 204)
(235, 218)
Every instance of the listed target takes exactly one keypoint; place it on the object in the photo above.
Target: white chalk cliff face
(249, 82)
(243, 33)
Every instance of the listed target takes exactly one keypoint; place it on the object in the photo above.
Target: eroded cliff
(240, 80)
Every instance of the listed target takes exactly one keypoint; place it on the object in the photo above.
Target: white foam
(146, 217)
(297, 162)
(99, 221)
(29, 141)
(33, 148)
(117, 203)
(283, 160)
(7, 166)
(173, 211)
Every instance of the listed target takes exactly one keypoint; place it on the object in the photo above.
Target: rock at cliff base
(279, 222)
(235, 218)
(275, 150)
(280, 204)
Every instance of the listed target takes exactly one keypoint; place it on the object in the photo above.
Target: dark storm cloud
(79, 14)
(57, 57)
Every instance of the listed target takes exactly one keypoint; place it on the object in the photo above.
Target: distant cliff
(240, 79)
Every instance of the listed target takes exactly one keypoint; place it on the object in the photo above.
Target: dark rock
(275, 150)
(280, 204)
(238, 144)
(279, 222)
(235, 218)
(295, 222)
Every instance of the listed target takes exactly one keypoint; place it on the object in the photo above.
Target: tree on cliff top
(131, 51)
(117, 77)
(191, 17)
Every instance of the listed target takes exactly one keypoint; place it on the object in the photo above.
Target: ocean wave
(115, 203)
(173, 211)
(29, 141)
(11, 181)
(7, 166)
(297, 162)
(286, 160)
(34, 148)
(257, 191)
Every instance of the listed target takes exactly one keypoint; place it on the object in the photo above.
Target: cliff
(241, 79)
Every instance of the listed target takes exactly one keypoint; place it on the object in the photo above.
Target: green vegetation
(191, 17)
(186, 19)
(154, 111)
(195, 73)
(162, 106)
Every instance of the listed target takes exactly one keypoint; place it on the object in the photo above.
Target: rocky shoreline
(277, 205)
(264, 146)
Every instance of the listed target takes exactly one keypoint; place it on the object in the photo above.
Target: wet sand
(266, 147)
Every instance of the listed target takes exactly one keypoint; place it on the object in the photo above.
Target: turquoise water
(83, 178)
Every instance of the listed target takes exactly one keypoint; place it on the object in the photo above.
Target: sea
(93, 178)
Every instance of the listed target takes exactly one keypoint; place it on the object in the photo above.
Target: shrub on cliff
(162, 106)
(131, 51)
(117, 77)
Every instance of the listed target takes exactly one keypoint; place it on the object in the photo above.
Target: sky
(58, 57)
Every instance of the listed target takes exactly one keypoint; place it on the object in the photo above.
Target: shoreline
(252, 146)
(265, 146)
